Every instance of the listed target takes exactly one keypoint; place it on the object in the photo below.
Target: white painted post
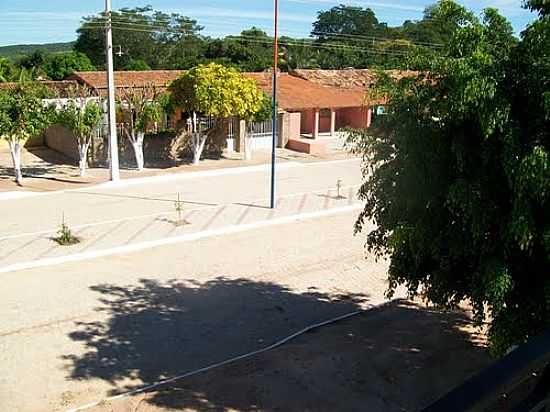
(315, 132)
(113, 141)
(332, 122)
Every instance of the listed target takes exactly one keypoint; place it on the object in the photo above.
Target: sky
(48, 21)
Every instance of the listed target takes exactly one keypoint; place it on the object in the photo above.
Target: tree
(22, 115)
(217, 92)
(438, 25)
(7, 70)
(298, 54)
(137, 65)
(252, 50)
(346, 21)
(83, 118)
(141, 111)
(158, 39)
(59, 66)
(457, 176)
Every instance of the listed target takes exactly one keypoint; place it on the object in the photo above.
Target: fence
(518, 382)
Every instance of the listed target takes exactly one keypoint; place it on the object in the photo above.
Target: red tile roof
(98, 80)
(60, 88)
(294, 93)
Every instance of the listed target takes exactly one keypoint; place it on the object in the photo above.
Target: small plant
(338, 189)
(65, 236)
(179, 206)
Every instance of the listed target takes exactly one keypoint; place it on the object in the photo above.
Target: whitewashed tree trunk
(199, 141)
(83, 157)
(137, 144)
(15, 150)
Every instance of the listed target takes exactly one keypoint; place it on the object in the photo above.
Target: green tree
(298, 54)
(180, 45)
(83, 118)
(251, 51)
(59, 66)
(439, 23)
(347, 37)
(158, 39)
(217, 92)
(457, 176)
(346, 21)
(141, 110)
(7, 70)
(22, 115)
(136, 65)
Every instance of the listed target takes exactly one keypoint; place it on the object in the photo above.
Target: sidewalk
(45, 170)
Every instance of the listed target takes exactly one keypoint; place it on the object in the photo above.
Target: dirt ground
(399, 357)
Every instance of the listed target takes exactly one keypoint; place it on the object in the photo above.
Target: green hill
(18, 50)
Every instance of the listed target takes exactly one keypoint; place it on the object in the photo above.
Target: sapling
(65, 236)
(179, 206)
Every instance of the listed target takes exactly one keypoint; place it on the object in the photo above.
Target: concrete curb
(172, 176)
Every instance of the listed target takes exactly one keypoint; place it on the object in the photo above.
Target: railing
(520, 381)
(261, 128)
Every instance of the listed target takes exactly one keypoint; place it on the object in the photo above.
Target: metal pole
(113, 142)
(274, 120)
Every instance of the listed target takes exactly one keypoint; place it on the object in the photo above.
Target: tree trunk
(83, 157)
(137, 144)
(199, 141)
(15, 150)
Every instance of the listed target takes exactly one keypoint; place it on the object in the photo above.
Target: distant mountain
(18, 50)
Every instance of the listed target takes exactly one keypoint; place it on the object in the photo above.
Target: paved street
(75, 332)
(106, 217)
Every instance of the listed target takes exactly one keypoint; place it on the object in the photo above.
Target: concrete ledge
(308, 146)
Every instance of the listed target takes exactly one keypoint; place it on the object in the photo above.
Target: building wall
(349, 117)
(356, 117)
(324, 121)
(61, 140)
(288, 128)
(306, 125)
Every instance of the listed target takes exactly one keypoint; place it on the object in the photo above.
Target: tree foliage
(140, 110)
(22, 113)
(161, 40)
(343, 36)
(8, 71)
(457, 176)
(59, 66)
(81, 118)
(217, 91)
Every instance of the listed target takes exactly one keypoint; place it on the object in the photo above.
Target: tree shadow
(157, 330)
(396, 358)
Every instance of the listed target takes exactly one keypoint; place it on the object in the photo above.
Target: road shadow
(396, 358)
(399, 357)
(158, 330)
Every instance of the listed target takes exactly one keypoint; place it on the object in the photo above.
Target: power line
(175, 30)
(287, 43)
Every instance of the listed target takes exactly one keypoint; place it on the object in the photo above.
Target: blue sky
(45, 21)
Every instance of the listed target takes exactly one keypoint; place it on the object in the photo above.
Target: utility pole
(274, 120)
(113, 141)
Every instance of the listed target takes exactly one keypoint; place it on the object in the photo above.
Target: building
(312, 108)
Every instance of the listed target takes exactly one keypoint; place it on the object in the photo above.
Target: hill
(18, 50)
